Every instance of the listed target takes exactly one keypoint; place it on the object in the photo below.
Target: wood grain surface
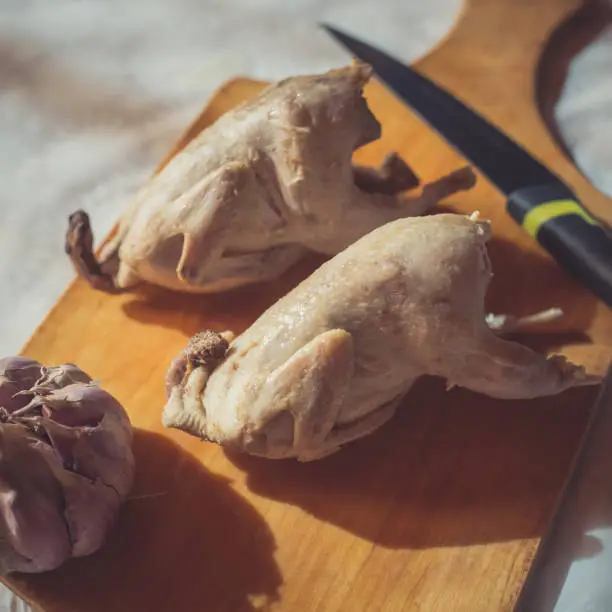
(440, 510)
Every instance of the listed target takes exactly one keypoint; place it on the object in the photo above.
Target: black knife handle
(580, 244)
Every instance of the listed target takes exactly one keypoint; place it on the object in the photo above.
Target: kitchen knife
(585, 505)
(537, 199)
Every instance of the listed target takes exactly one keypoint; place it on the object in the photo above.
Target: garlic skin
(66, 464)
(16, 374)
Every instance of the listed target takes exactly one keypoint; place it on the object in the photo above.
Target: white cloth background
(94, 92)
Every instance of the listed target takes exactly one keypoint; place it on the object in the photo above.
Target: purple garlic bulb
(66, 464)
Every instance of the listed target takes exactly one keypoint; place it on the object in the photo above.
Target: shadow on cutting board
(450, 469)
(524, 283)
(185, 541)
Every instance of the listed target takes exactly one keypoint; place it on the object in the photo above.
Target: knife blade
(537, 199)
(585, 504)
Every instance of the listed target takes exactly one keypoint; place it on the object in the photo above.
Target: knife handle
(579, 243)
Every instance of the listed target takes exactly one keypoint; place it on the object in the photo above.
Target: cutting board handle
(491, 60)
(499, 33)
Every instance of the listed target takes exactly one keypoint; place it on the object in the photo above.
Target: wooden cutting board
(440, 510)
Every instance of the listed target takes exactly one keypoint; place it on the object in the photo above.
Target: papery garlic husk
(16, 374)
(66, 464)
